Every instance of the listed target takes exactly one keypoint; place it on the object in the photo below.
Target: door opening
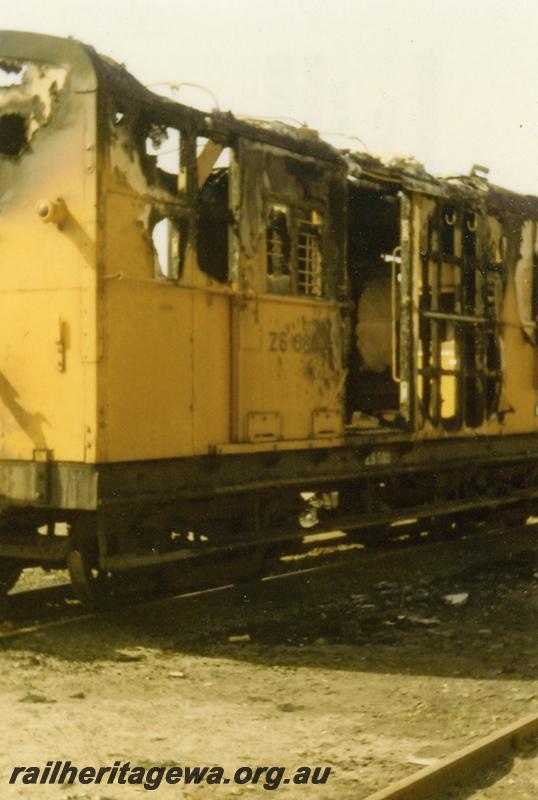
(373, 392)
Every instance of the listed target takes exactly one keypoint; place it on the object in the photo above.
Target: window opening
(448, 230)
(439, 351)
(449, 354)
(210, 156)
(470, 223)
(213, 221)
(164, 146)
(309, 261)
(458, 351)
(166, 244)
(278, 251)
(223, 161)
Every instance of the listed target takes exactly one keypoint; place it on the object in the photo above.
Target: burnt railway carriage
(210, 328)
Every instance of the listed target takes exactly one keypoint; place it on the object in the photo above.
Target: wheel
(90, 585)
(85, 581)
(10, 570)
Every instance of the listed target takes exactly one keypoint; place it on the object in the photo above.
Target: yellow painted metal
(102, 358)
(188, 365)
(289, 361)
(518, 350)
(47, 271)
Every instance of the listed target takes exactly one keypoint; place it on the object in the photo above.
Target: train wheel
(86, 582)
(90, 585)
(10, 570)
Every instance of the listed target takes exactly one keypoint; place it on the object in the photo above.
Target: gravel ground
(373, 678)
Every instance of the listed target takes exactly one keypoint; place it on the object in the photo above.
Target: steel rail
(426, 559)
(463, 764)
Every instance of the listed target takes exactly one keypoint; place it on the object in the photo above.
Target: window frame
(297, 214)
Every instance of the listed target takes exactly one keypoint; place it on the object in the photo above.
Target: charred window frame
(164, 149)
(278, 250)
(458, 320)
(448, 225)
(213, 215)
(169, 156)
(493, 303)
(169, 235)
(294, 250)
(441, 307)
(166, 154)
(309, 257)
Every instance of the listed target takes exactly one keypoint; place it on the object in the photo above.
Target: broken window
(441, 323)
(13, 137)
(459, 358)
(448, 230)
(449, 354)
(210, 155)
(212, 228)
(167, 241)
(163, 145)
(470, 224)
(213, 214)
(294, 265)
(278, 251)
(309, 262)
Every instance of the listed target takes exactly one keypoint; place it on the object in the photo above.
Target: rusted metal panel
(48, 484)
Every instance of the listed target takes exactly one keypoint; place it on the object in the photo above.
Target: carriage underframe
(213, 520)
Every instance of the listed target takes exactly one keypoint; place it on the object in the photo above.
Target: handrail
(394, 261)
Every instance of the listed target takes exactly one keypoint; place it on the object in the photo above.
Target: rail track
(31, 611)
(35, 612)
(463, 765)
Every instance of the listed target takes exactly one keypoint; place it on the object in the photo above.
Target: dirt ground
(374, 677)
